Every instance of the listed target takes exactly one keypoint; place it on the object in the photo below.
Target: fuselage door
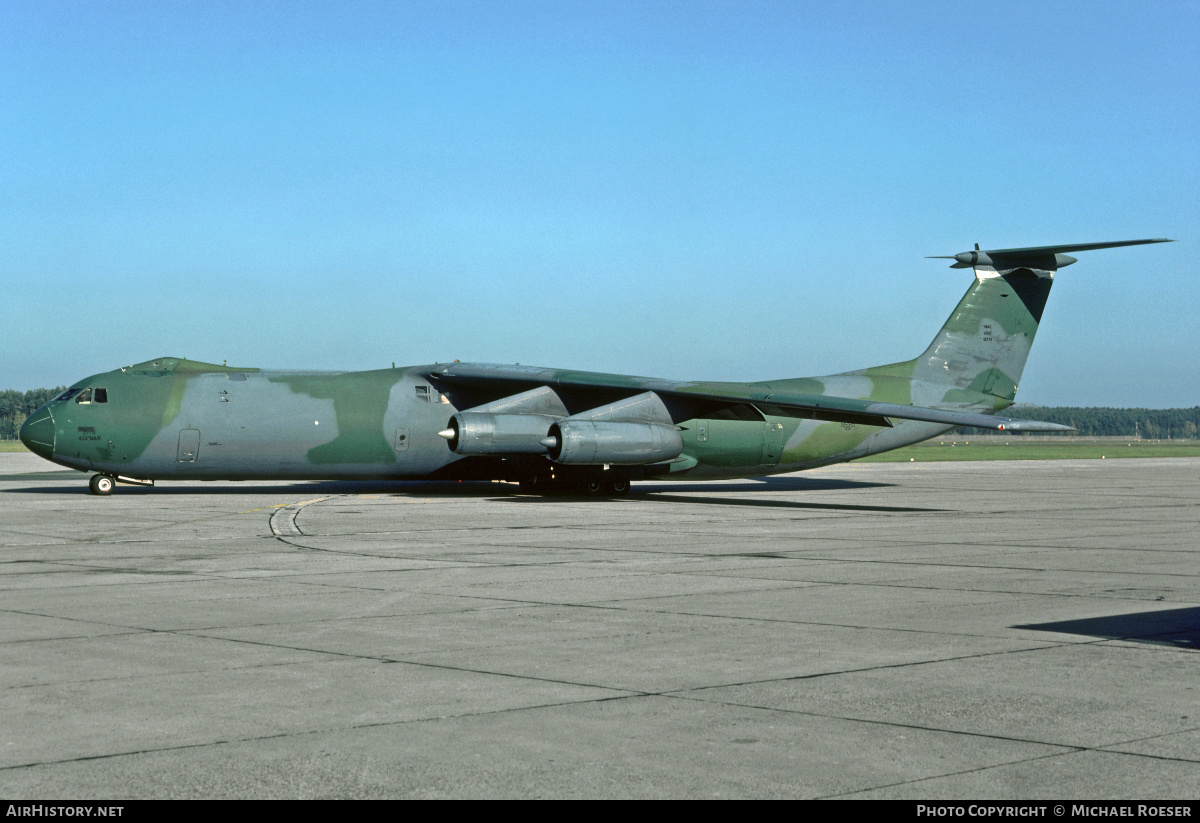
(189, 446)
(772, 442)
(401, 440)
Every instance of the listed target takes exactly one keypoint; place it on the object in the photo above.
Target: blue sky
(726, 191)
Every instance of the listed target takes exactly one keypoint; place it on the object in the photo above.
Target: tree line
(1100, 421)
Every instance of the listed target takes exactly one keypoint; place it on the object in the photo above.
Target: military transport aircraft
(551, 429)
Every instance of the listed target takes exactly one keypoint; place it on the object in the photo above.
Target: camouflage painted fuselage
(172, 418)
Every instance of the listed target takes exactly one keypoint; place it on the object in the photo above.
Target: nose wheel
(101, 484)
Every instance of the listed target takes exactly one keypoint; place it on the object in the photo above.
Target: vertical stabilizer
(979, 354)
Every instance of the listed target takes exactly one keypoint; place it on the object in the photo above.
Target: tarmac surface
(1006, 630)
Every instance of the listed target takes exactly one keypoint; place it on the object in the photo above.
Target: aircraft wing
(816, 407)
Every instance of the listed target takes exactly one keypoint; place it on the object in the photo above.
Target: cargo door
(189, 446)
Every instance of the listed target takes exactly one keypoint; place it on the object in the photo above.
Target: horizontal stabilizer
(1042, 257)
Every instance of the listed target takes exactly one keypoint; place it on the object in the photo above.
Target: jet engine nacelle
(584, 442)
(486, 433)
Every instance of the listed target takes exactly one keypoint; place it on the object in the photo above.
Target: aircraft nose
(37, 433)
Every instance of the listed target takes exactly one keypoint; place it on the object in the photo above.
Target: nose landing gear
(101, 484)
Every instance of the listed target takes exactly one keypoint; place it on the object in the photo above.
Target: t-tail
(976, 360)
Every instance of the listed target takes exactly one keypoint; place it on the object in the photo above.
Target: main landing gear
(606, 484)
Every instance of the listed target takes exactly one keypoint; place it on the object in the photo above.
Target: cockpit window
(100, 395)
(68, 394)
(84, 397)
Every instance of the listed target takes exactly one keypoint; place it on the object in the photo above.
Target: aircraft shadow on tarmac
(650, 490)
(288, 487)
(782, 504)
(705, 494)
(761, 484)
(1171, 627)
(714, 494)
(698, 493)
